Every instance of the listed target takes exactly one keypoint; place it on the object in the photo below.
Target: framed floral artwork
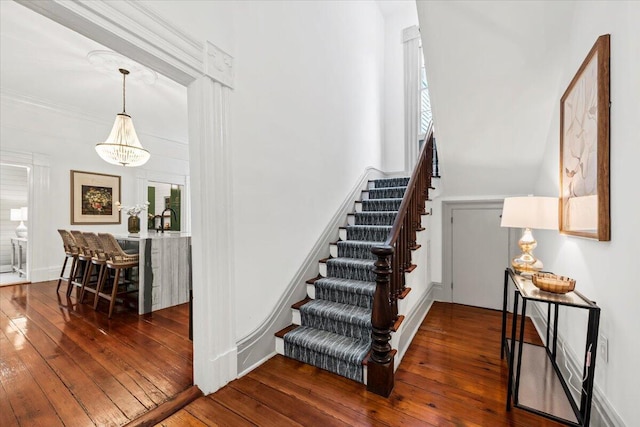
(94, 197)
(584, 148)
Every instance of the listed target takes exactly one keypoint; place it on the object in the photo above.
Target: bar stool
(70, 251)
(98, 259)
(84, 259)
(117, 260)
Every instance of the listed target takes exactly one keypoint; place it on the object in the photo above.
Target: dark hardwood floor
(452, 375)
(65, 364)
(62, 363)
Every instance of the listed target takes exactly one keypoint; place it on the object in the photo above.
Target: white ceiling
(45, 63)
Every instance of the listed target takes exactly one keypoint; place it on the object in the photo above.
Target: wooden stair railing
(393, 260)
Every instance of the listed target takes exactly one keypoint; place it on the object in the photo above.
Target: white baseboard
(438, 292)
(45, 274)
(602, 413)
(217, 371)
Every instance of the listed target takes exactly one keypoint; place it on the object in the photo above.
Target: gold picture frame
(584, 148)
(94, 197)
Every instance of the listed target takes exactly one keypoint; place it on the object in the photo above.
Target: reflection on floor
(65, 364)
(11, 279)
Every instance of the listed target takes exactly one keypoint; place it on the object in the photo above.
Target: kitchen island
(164, 270)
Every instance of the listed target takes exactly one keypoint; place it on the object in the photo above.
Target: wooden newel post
(380, 365)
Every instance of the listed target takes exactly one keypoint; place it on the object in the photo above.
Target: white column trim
(215, 351)
(411, 40)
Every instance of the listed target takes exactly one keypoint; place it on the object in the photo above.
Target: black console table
(536, 383)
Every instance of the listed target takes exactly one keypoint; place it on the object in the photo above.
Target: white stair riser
(311, 291)
(342, 234)
(323, 269)
(351, 220)
(295, 317)
(365, 195)
(358, 206)
(333, 250)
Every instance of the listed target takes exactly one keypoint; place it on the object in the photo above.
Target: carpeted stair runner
(335, 331)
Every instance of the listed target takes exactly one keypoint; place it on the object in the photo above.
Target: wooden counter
(165, 268)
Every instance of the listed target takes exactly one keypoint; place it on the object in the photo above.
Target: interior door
(480, 253)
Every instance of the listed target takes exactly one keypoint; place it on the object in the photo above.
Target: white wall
(400, 16)
(306, 120)
(67, 140)
(605, 271)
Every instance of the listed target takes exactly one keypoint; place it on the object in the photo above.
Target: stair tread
(365, 226)
(339, 346)
(299, 304)
(350, 261)
(356, 243)
(360, 284)
(383, 200)
(337, 311)
(282, 332)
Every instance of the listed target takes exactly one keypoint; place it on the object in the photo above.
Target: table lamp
(19, 215)
(529, 213)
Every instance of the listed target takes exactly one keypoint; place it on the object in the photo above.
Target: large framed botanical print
(584, 148)
(94, 197)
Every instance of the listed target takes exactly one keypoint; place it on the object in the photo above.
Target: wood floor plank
(250, 408)
(212, 413)
(168, 367)
(112, 354)
(30, 404)
(342, 392)
(182, 419)
(307, 395)
(75, 378)
(69, 411)
(111, 385)
(285, 404)
(88, 370)
(7, 415)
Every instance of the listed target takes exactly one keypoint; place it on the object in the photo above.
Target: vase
(134, 224)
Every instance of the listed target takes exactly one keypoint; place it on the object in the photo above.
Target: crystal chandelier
(122, 147)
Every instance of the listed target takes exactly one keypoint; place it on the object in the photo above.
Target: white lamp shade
(122, 147)
(16, 215)
(19, 214)
(530, 212)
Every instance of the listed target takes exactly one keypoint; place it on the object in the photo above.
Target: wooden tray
(553, 283)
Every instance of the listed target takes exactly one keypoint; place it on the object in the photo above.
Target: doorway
(14, 215)
(476, 253)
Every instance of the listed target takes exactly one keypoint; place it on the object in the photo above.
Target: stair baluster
(393, 260)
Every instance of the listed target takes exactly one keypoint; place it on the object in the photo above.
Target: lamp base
(21, 230)
(526, 268)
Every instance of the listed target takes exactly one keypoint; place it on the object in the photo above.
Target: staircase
(332, 327)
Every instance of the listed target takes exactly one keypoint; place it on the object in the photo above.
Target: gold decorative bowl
(553, 283)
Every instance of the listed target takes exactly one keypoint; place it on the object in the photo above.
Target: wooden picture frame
(584, 148)
(94, 197)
